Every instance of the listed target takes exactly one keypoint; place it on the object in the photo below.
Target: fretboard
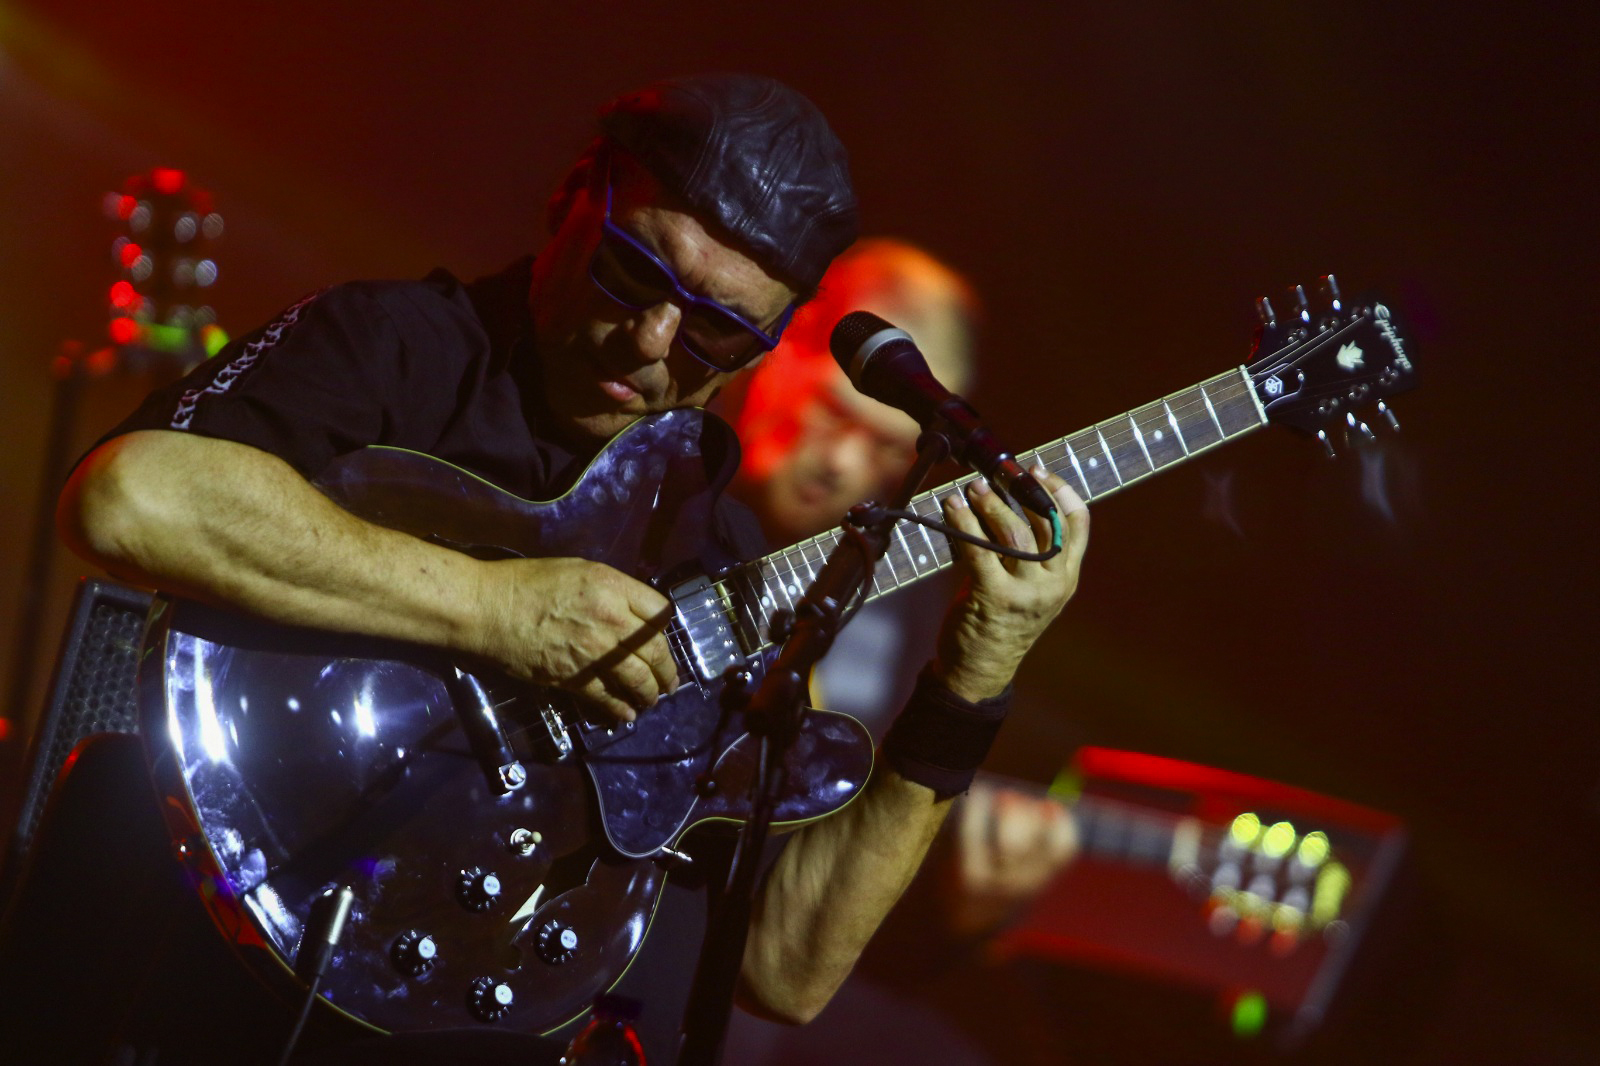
(1096, 462)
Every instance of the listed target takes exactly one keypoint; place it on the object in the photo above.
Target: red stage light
(101, 363)
(125, 296)
(125, 207)
(167, 180)
(130, 254)
(124, 330)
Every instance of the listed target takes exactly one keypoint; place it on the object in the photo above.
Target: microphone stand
(774, 712)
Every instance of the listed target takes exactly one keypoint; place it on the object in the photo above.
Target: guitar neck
(1138, 836)
(1096, 462)
(1131, 833)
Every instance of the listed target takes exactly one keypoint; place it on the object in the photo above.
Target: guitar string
(784, 568)
(1114, 435)
(1226, 386)
(1212, 836)
(1224, 389)
(1128, 817)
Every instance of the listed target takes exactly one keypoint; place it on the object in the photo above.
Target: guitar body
(294, 760)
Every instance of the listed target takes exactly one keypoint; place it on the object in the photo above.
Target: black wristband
(940, 739)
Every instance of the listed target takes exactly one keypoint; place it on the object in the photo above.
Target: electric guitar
(506, 853)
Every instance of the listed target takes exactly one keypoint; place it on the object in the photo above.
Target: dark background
(1119, 184)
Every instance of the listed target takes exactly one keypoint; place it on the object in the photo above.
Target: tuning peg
(1305, 304)
(1269, 317)
(1388, 416)
(1361, 429)
(1330, 291)
(1327, 445)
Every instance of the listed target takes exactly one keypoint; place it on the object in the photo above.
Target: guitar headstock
(165, 226)
(1323, 364)
(1262, 880)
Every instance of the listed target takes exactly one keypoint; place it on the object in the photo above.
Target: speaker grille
(92, 690)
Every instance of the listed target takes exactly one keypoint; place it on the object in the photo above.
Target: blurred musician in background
(814, 447)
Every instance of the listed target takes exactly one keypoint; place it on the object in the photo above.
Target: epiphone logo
(1381, 313)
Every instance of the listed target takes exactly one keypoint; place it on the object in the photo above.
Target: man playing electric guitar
(681, 244)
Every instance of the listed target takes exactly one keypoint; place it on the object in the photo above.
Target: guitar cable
(300, 1022)
(323, 929)
(873, 513)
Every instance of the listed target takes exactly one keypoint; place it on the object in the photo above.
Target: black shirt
(435, 366)
(450, 370)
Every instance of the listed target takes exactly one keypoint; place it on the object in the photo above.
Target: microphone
(883, 362)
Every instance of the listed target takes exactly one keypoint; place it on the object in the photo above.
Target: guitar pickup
(702, 636)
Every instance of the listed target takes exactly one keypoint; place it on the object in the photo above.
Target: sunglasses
(718, 336)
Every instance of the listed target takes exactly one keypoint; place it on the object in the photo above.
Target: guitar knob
(477, 889)
(489, 1000)
(1327, 445)
(1303, 304)
(558, 942)
(413, 953)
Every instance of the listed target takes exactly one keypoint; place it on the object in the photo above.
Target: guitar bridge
(556, 730)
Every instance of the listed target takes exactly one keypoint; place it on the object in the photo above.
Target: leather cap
(751, 154)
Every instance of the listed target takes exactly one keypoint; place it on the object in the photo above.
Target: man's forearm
(830, 890)
(228, 523)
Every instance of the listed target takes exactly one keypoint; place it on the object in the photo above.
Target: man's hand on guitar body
(581, 626)
(1008, 602)
(230, 524)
